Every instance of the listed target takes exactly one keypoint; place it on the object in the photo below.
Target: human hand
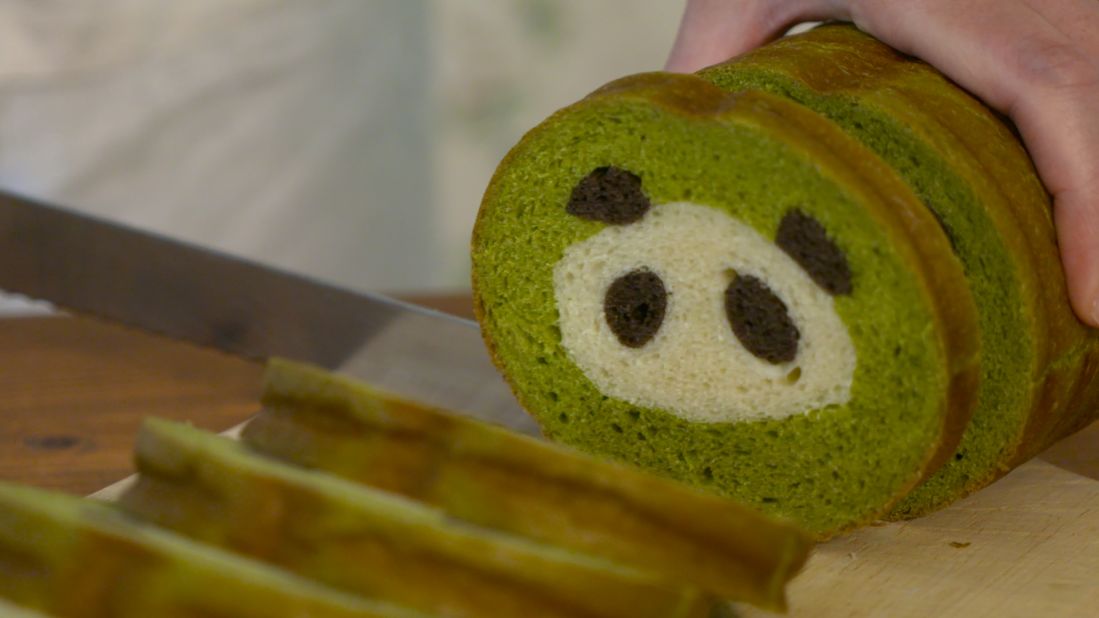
(1036, 61)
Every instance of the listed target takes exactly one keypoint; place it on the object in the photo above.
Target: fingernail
(1095, 311)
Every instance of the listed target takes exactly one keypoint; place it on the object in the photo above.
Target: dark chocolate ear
(609, 194)
(803, 238)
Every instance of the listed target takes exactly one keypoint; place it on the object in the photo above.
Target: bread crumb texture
(695, 367)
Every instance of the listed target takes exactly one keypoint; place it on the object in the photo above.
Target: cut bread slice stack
(529, 488)
(467, 520)
(64, 556)
(214, 490)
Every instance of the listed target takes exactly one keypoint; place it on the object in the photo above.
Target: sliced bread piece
(494, 478)
(366, 541)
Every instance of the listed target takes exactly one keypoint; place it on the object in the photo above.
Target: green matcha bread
(1038, 363)
(728, 289)
(485, 476)
(64, 556)
(366, 541)
(342, 500)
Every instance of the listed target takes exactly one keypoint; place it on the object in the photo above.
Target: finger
(1078, 20)
(715, 30)
(1073, 166)
(1019, 62)
(1077, 209)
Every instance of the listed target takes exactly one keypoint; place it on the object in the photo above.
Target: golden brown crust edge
(992, 161)
(942, 276)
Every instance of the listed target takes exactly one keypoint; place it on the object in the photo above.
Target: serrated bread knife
(183, 291)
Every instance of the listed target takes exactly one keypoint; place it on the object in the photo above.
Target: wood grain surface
(75, 390)
(1026, 546)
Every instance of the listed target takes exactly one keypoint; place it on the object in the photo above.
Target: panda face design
(682, 307)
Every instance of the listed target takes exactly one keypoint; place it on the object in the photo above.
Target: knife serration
(183, 291)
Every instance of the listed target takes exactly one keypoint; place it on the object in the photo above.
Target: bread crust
(985, 152)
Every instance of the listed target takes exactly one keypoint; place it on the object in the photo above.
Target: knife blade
(183, 291)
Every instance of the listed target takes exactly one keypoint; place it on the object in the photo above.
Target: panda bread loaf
(788, 279)
(762, 308)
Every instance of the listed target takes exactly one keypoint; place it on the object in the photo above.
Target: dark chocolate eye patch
(634, 307)
(609, 194)
(760, 320)
(635, 303)
(803, 238)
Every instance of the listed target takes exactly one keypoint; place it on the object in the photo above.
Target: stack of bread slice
(341, 500)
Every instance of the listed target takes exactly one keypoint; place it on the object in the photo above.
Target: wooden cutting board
(1028, 545)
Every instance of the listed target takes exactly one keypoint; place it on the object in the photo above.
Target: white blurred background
(345, 139)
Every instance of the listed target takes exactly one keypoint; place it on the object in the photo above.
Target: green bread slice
(652, 147)
(498, 479)
(71, 557)
(359, 539)
(1038, 370)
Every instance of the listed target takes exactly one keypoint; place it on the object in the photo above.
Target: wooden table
(75, 390)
